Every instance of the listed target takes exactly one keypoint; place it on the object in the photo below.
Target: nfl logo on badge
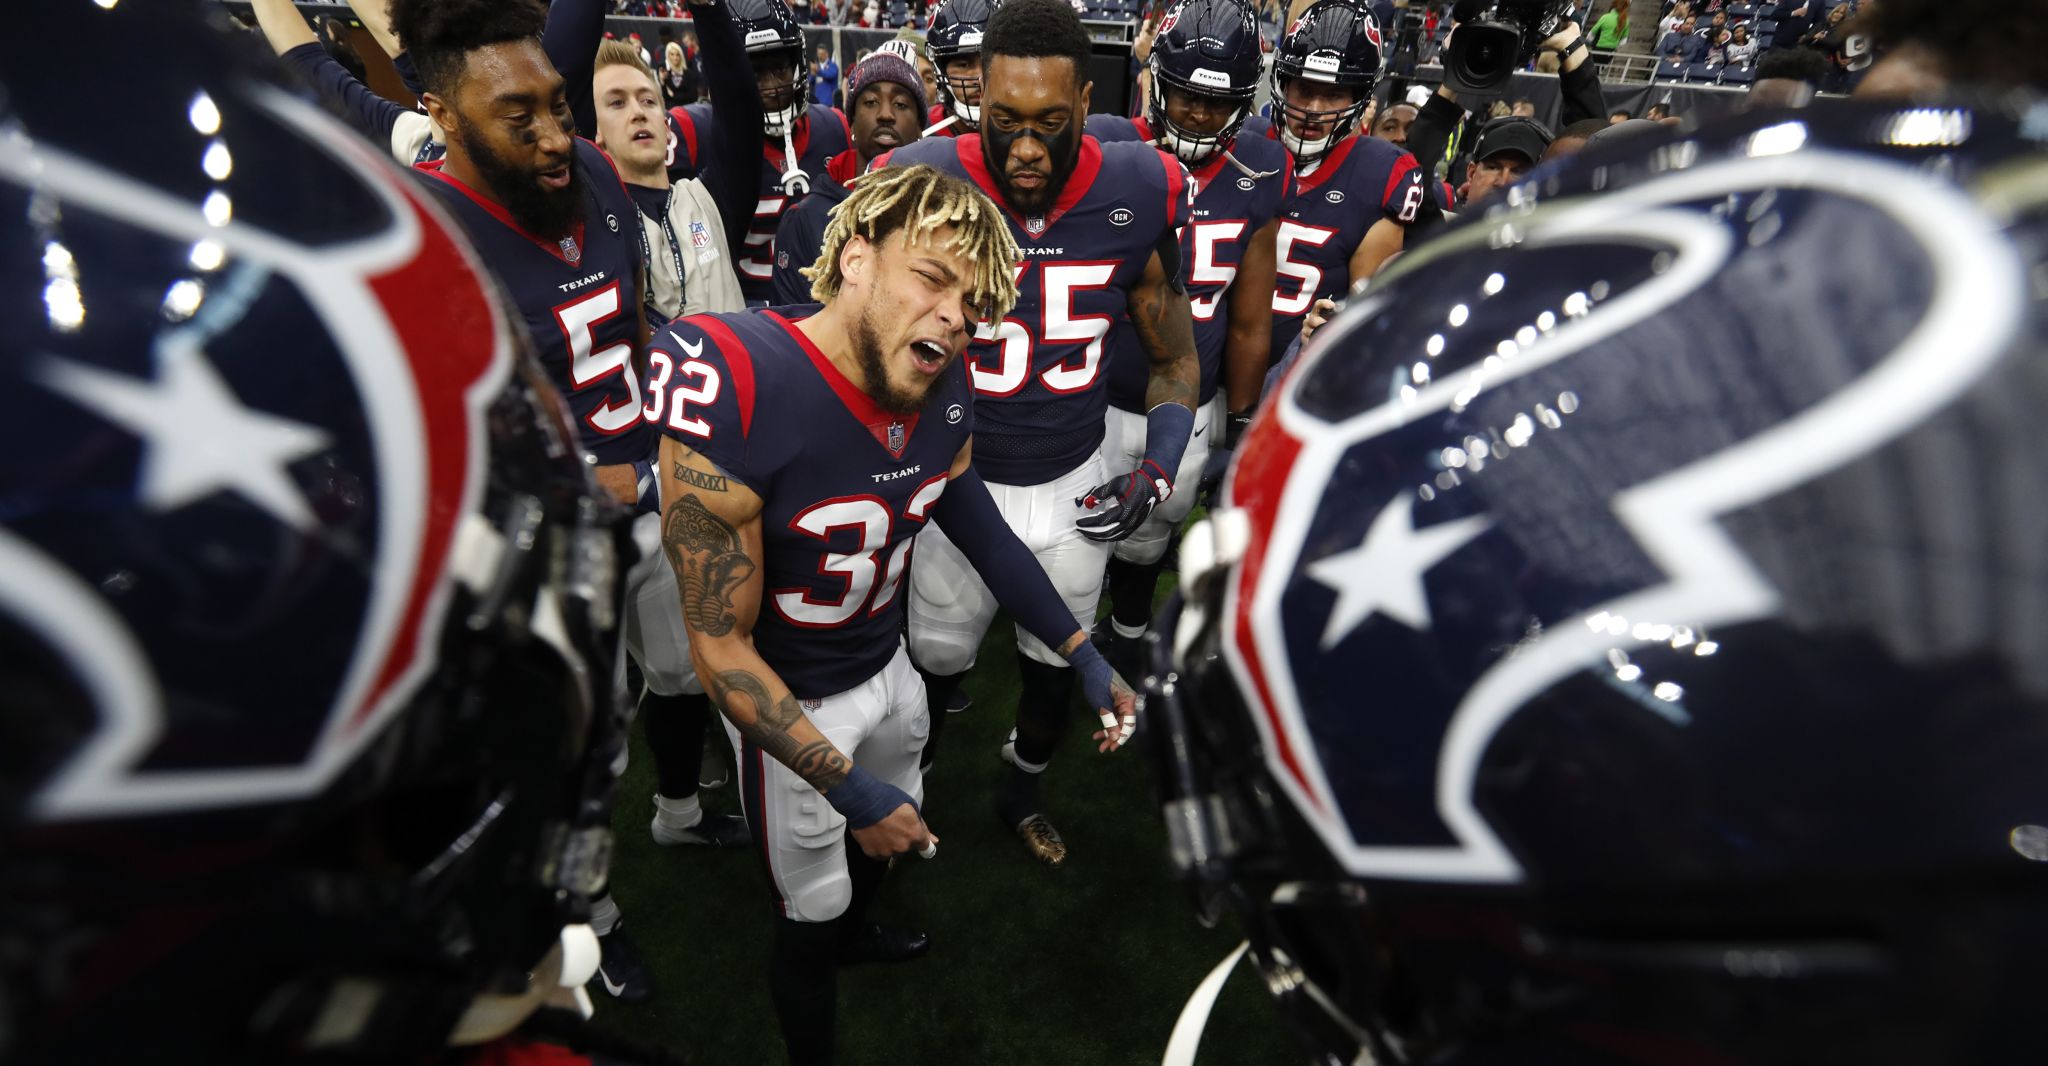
(570, 252)
(1035, 225)
(954, 414)
(895, 436)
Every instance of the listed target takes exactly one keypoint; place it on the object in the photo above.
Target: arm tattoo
(817, 762)
(1166, 329)
(692, 476)
(710, 565)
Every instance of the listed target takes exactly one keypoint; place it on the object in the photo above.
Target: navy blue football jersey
(1361, 181)
(1230, 206)
(845, 485)
(1038, 374)
(579, 297)
(822, 134)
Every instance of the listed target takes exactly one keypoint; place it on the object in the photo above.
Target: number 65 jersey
(845, 486)
(1039, 373)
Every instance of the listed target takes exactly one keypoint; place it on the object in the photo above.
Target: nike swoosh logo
(1198, 432)
(693, 351)
(608, 985)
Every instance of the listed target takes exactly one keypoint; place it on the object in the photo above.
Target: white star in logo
(1384, 574)
(197, 437)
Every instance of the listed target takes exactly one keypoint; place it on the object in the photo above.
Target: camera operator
(1434, 135)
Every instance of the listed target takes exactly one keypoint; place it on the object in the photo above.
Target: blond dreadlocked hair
(922, 199)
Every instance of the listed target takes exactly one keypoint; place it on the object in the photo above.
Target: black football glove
(1118, 507)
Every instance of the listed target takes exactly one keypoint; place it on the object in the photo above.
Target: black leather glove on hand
(1117, 508)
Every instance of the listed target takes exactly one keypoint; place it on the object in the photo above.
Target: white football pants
(882, 725)
(950, 606)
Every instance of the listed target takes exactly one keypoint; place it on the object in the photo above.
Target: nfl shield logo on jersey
(570, 251)
(896, 436)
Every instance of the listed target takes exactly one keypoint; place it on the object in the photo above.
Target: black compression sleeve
(370, 114)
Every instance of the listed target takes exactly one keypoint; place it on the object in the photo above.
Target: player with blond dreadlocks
(800, 459)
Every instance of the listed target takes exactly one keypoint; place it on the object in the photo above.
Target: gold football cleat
(1043, 840)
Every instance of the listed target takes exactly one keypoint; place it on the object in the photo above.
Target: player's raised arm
(711, 531)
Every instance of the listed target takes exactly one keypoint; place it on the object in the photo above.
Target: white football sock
(604, 915)
(677, 813)
(1129, 632)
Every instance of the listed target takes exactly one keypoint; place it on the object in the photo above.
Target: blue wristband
(1095, 676)
(1167, 428)
(866, 799)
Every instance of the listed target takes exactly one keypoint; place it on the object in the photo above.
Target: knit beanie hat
(885, 64)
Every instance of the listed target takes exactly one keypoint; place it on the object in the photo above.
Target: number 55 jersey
(845, 486)
(1039, 373)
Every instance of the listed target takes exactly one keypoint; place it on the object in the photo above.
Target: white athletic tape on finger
(1108, 721)
(931, 850)
(1130, 726)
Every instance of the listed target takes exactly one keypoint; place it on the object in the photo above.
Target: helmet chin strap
(1188, 152)
(782, 123)
(794, 181)
(941, 124)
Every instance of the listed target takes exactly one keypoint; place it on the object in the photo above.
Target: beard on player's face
(541, 211)
(873, 357)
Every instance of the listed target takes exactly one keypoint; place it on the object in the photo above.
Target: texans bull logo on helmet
(1400, 522)
(329, 619)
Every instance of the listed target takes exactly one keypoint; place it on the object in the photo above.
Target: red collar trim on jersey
(799, 138)
(497, 211)
(843, 167)
(858, 402)
(1144, 129)
(1085, 168)
(1326, 166)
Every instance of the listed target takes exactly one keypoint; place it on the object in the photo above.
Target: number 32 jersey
(1039, 374)
(1362, 180)
(845, 486)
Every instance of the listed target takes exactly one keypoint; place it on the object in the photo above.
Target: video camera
(1494, 38)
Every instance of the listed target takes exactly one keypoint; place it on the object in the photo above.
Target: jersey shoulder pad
(710, 391)
(1145, 171)
(1108, 128)
(830, 123)
(940, 152)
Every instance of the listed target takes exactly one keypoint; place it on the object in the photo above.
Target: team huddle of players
(833, 478)
(977, 365)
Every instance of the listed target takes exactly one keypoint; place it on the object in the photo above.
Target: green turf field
(1089, 963)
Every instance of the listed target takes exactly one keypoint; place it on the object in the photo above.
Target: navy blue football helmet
(1210, 49)
(1626, 638)
(306, 602)
(955, 32)
(1334, 42)
(775, 43)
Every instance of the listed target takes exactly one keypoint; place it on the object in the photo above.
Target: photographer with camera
(1491, 40)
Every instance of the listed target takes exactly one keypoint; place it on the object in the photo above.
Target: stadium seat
(1763, 41)
(1767, 10)
(1739, 12)
(1764, 26)
(1670, 68)
(1739, 74)
(1707, 73)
